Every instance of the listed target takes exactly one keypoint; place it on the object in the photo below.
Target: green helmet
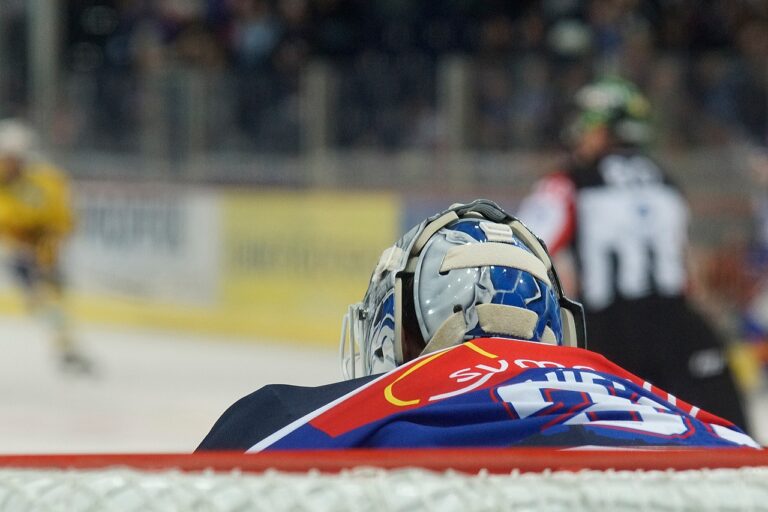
(617, 103)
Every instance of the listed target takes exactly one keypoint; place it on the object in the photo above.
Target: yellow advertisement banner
(293, 261)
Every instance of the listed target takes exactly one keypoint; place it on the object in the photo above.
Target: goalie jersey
(483, 393)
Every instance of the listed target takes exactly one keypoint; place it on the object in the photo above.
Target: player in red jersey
(465, 338)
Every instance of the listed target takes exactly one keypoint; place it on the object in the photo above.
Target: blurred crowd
(704, 63)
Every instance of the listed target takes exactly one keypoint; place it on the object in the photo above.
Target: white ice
(154, 391)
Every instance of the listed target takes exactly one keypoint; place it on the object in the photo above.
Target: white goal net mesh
(431, 480)
(374, 489)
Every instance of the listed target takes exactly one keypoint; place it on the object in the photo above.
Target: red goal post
(423, 479)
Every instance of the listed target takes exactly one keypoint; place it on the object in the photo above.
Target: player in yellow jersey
(36, 217)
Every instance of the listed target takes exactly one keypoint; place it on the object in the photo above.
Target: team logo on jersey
(474, 365)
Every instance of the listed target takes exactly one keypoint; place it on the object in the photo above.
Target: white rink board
(159, 243)
(154, 392)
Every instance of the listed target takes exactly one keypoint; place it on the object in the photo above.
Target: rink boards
(263, 263)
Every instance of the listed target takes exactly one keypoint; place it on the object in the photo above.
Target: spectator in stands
(717, 47)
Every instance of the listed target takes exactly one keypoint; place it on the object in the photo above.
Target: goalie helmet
(471, 271)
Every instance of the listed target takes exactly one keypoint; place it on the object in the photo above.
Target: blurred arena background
(239, 164)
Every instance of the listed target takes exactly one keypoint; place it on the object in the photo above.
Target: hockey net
(440, 480)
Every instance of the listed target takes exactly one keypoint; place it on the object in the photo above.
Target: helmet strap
(449, 334)
(507, 320)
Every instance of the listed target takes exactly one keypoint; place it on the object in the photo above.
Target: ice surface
(154, 391)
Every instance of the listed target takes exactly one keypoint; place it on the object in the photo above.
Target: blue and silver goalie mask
(472, 271)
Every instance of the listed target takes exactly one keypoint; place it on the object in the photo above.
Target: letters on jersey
(497, 392)
(626, 223)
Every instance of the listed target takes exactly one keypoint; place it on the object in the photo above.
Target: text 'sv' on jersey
(550, 211)
(497, 392)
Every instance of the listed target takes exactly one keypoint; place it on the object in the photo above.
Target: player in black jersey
(623, 223)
